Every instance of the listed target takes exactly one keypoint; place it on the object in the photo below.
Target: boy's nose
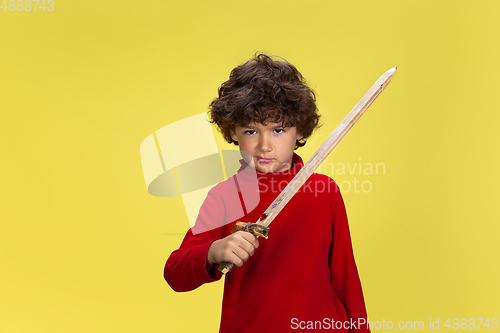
(265, 144)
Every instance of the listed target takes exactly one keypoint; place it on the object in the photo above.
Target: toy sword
(261, 228)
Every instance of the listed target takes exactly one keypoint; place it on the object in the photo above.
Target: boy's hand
(235, 248)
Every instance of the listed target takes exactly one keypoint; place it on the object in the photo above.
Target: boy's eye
(250, 132)
(279, 130)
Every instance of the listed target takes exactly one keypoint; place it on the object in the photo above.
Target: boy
(304, 276)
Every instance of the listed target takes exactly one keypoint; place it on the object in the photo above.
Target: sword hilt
(255, 229)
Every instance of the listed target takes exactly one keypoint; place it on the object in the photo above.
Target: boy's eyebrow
(278, 125)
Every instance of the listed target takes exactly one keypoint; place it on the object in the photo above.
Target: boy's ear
(299, 136)
(233, 134)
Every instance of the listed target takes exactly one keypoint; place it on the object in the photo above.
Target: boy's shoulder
(321, 177)
(320, 184)
(224, 188)
(229, 193)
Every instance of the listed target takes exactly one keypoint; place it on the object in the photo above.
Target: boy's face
(270, 146)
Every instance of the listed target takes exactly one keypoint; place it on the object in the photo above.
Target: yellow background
(82, 243)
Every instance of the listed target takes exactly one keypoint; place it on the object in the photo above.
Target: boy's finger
(250, 238)
(247, 247)
(242, 255)
(233, 258)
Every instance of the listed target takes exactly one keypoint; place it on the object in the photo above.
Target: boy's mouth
(264, 159)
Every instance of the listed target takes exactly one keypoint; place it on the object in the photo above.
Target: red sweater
(304, 276)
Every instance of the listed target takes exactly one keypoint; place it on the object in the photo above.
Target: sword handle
(253, 228)
(225, 267)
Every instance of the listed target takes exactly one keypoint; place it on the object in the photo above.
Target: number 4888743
(27, 5)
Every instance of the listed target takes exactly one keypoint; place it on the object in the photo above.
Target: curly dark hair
(265, 90)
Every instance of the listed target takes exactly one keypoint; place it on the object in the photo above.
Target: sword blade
(326, 148)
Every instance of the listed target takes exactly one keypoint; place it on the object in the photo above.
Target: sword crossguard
(258, 230)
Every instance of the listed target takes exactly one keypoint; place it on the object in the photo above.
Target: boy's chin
(272, 167)
(263, 169)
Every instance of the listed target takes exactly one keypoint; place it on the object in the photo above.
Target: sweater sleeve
(343, 271)
(185, 269)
